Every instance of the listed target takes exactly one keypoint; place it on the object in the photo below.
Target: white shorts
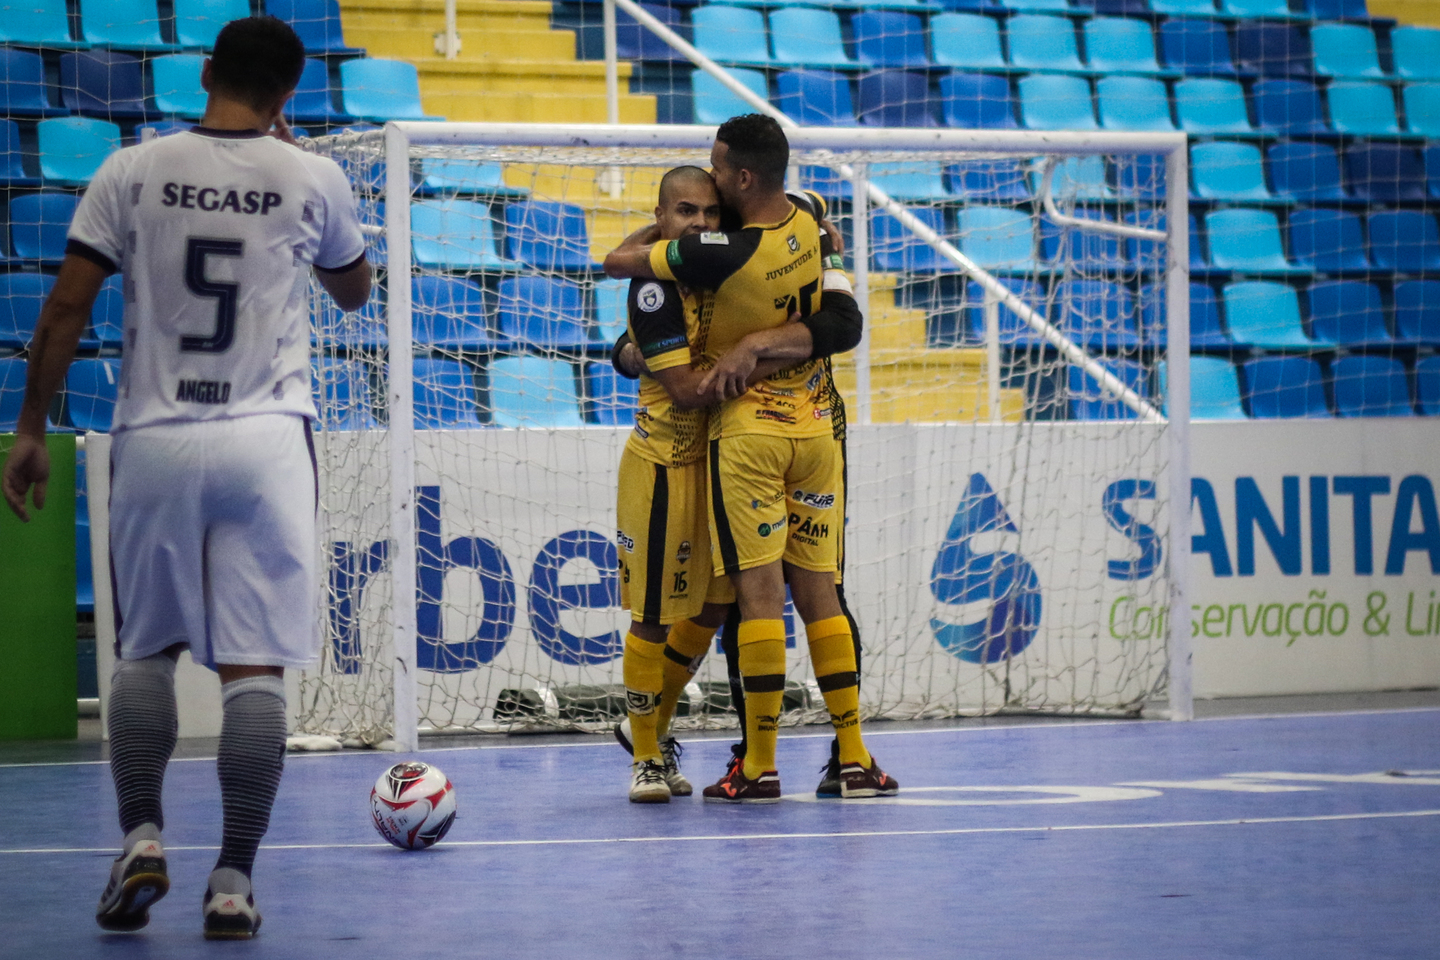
(212, 541)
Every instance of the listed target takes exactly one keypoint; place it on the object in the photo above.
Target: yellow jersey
(662, 323)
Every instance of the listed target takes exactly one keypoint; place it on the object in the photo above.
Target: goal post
(1019, 495)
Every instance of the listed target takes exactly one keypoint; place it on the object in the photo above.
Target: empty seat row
(815, 37)
(112, 86)
(136, 24)
(1313, 9)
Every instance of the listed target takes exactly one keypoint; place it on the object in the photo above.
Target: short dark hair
(757, 143)
(257, 59)
(678, 175)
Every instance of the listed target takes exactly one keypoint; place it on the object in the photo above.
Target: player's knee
(813, 593)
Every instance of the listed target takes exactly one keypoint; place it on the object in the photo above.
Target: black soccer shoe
(735, 787)
(230, 916)
(829, 788)
(860, 782)
(137, 880)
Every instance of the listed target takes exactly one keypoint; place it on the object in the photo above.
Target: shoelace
(674, 751)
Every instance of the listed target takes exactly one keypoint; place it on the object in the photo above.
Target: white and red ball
(413, 805)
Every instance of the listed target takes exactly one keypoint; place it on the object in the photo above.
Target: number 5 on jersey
(226, 295)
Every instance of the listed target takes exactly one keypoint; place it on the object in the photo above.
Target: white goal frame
(401, 137)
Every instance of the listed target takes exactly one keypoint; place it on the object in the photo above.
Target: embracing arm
(632, 258)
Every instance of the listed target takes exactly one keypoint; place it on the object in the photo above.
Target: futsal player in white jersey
(213, 490)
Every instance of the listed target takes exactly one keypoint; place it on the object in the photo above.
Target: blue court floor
(1301, 836)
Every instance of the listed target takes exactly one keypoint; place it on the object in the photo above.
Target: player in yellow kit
(772, 451)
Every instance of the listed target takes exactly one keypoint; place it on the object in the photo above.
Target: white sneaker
(137, 880)
(670, 750)
(647, 783)
(230, 916)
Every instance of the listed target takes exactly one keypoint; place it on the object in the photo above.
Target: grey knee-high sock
(252, 757)
(143, 724)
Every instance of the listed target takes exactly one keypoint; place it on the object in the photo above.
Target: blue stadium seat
(1228, 171)
(475, 177)
(1377, 170)
(907, 181)
(312, 102)
(1089, 401)
(21, 297)
(1329, 241)
(12, 165)
(1285, 387)
(977, 101)
(41, 24)
(1043, 43)
(981, 180)
(107, 317)
(612, 312)
(455, 234)
(38, 223)
(890, 39)
(714, 104)
(1056, 102)
(1337, 9)
(894, 249)
(444, 395)
(533, 392)
(1260, 313)
(1427, 385)
(176, 82)
(12, 391)
(1120, 45)
(1371, 387)
(1432, 168)
(1058, 5)
(1245, 240)
(1348, 312)
(1014, 332)
(808, 37)
(549, 236)
(1422, 108)
(341, 390)
(613, 400)
(364, 329)
(971, 4)
(197, 22)
(102, 84)
(1097, 314)
(162, 128)
(316, 23)
(1197, 47)
(449, 312)
(1087, 249)
(895, 98)
(815, 98)
(91, 387)
(1205, 329)
(1346, 50)
(827, 182)
(22, 85)
(1289, 107)
(997, 238)
(381, 90)
(1361, 108)
(1417, 52)
(1404, 240)
(1146, 253)
(1214, 390)
(1305, 171)
(1184, 8)
(634, 42)
(966, 40)
(728, 34)
(1133, 103)
(543, 313)
(123, 25)
(1140, 177)
(1256, 8)
(72, 148)
(1417, 311)
(1273, 49)
(1206, 105)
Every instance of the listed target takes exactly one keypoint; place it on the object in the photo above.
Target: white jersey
(215, 233)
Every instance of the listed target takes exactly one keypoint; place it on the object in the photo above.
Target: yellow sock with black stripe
(643, 672)
(832, 652)
(762, 667)
(685, 647)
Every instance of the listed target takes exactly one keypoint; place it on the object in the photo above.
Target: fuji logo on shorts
(650, 298)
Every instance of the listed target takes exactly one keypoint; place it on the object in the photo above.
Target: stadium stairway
(1412, 12)
(512, 66)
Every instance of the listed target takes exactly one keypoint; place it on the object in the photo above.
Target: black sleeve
(706, 260)
(836, 328)
(615, 355)
(657, 317)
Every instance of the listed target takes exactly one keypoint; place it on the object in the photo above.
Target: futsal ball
(413, 805)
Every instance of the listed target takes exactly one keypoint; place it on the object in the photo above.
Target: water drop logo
(987, 604)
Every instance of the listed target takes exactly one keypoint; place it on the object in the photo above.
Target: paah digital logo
(987, 605)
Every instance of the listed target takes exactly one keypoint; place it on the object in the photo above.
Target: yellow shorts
(663, 539)
(774, 498)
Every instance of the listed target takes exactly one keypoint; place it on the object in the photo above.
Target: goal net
(1014, 423)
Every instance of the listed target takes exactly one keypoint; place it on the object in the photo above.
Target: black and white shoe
(647, 783)
(230, 916)
(137, 880)
(829, 788)
(622, 736)
(670, 751)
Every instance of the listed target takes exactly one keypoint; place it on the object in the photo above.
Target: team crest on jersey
(715, 238)
(792, 243)
(650, 297)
